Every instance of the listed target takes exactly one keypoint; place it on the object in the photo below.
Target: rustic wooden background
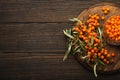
(32, 43)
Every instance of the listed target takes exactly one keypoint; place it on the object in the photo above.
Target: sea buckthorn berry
(95, 49)
(88, 56)
(112, 54)
(89, 15)
(107, 62)
(112, 61)
(105, 12)
(108, 55)
(112, 30)
(92, 51)
(107, 9)
(99, 54)
(102, 18)
(105, 53)
(103, 8)
(86, 47)
(102, 57)
(86, 41)
(89, 53)
(92, 60)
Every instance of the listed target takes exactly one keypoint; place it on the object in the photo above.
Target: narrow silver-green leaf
(92, 40)
(77, 49)
(75, 41)
(89, 43)
(68, 51)
(84, 57)
(68, 35)
(82, 45)
(95, 73)
(75, 20)
(101, 62)
(75, 32)
(100, 32)
(81, 42)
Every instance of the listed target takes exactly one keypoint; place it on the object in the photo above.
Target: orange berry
(97, 24)
(103, 18)
(80, 24)
(112, 54)
(96, 40)
(89, 15)
(89, 53)
(107, 62)
(99, 54)
(97, 17)
(107, 9)
(105, 12)
(92, 60)
(89, 37)
(112, 61)
(81, 33)
(103, 8)
(86, 41)
(92, 51)
(88, 21)
(86, 47)
(95, 49)
(80, 36)
(108, 55)
(102, 57)
(105, 53)
(88, 56)
(92, 17)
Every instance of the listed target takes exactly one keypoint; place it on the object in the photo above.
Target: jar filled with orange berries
(111, 30)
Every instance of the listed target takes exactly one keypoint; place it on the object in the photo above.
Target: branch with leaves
(87, 41)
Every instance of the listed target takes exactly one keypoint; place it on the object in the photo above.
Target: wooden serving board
(114, 10)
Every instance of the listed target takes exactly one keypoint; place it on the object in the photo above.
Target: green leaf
(95, 66)
(81, 42)
(101, 62)
(84, 57)
(75, 41)
(68, 34)
(68, 51)
(92, 40)
(89, 43)
(74, 32)
(77, 49)
(82, 45)
(69, 31)
(75, 20)
(100, 33)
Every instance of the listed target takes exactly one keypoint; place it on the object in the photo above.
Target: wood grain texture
(32, 43)
(44, 66)
(43, 10)
(32, 37)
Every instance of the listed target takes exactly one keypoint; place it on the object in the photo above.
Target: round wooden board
(114, 10)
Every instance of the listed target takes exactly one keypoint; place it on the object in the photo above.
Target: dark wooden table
(32, 43)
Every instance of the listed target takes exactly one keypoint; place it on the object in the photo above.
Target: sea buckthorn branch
(86, 39)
